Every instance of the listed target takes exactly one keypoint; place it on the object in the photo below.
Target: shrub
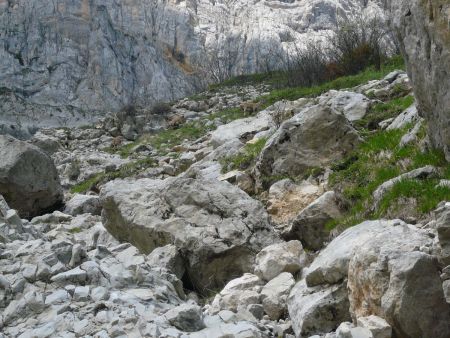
(354, 46)
(161, 108)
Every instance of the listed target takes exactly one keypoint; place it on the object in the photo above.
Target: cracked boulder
(217, 228)
(313, 138)
(392, 275)
(29, 181)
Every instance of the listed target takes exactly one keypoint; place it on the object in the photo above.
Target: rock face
(317, 310)
(216, 226)
(384, 276)
(424, 35)
(313, 138)
(309, 225)
(62, 60)
(28, 178)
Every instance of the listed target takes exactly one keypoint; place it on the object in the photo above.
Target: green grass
(425, 192)
(277, 77)
(343, 82)
(127, 170)
(385, 110)
(378, 159)
(229, 115)
(245, 158)
(75, 230)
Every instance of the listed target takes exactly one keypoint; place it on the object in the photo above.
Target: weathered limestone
(28, 178)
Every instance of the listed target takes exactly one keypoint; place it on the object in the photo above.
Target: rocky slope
(65, 62)
(201, 229)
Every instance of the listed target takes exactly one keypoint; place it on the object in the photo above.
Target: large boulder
(392, 276)
(331, 265)
(319, 309)
(422, 28)
(28, 178)
(217, 227)
(313, 138)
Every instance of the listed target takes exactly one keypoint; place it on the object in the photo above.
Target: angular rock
(216, 226)
(384, 275)
(167, 257)
(331, 265)
(443, 231)
(278, 258)
(309, 225)
(238, 293)
(346, 330)
(274, 295)
(353, 105)
(28, 178)
(317, 310)
(423, 32)
(186, 317)
(408, 116)
(379, 327)
(315, 137)
(287, 199)
(241, 129)
(83, 204)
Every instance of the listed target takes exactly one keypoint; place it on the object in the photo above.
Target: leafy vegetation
(378, 159)
(245, 158)
(294, 93)
(385, 110)
(126, 170)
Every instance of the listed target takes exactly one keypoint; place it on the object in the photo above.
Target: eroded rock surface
(28, 178)
(218, 228)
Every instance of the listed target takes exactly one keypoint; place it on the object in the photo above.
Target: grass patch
(425, 192)
(271, 78)
(343, 82)
(378, 159)
(127, 170)
(230, 114)
(383, 111)
(75, 230)
(245, 158)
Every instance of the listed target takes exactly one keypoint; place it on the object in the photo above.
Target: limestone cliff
(62, 61)
(423, 29)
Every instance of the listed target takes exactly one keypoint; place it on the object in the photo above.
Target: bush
(161, 108)
(352, 48)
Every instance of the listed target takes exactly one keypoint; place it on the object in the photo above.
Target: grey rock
(274, 295)
(410, 115)
(167, 257)
(379, 327)
(384, 274)
(28, 178)
(309, 225)
(442, 215)
(238, 293)
(82, 204)
(317, 310)
(278, 258)
(313, 138)
(423, 32)
(331, 265)
(65, 64)
(346, 330)
(216, 226)
(49, 144)
(186, 317)
(353, 105)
